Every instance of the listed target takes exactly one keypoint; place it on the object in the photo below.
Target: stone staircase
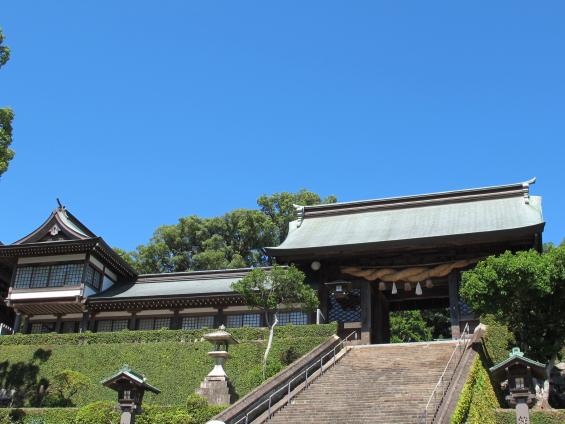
(372, 384)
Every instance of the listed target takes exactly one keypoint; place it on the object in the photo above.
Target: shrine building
(364, 258)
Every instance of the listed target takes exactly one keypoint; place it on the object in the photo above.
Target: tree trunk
(269, 344)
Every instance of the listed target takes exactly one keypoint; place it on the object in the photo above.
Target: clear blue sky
(136, 113)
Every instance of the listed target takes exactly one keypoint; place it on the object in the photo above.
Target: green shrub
(174, 366)
(198, 408)
(536, 417)
(65, 385)
(98, 413)
(289, 355)
(497, 341)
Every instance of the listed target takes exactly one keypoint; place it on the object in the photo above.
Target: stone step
(383, 383)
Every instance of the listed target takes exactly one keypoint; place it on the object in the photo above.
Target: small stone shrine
(519, 376)
(215, 387)
(131, 387)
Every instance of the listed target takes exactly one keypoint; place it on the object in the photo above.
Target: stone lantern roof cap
(220, 335)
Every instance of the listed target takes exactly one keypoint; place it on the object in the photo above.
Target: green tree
(279, 207)
(409, 326)
(526, 292)
(6, 117)
(268, 291)
(233, 240)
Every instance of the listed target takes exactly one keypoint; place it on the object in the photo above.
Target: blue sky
(136, 113)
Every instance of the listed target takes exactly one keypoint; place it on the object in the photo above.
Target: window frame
(153, 319)
(50, 265)
(208, 316)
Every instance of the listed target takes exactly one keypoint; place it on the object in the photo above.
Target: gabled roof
(412, 219)
(61, 225)
(517, 357)
(63, 233)
(126, 373)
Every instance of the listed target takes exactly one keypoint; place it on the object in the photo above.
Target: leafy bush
(176, 367)
(288, 356)
(497, 341)
(98, 413)
(200, 410)
(65, 385)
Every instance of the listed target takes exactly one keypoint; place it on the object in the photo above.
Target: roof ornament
(526, 189)
(54, 230)
(300, 212)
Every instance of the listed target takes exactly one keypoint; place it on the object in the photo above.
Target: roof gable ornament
(54, 230)
(526, 189)
(300, 212)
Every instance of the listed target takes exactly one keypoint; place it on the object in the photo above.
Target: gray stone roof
(176, 284)
(382, 221)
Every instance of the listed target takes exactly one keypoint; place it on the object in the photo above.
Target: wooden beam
(453, 285)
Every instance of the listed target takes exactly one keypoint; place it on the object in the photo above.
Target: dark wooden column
(453, 283)
(84, 322)
(366, 312)
(220, 318)
(58, 324)
(176, 320)
(131, 321)
(17, 322)
(381, 312)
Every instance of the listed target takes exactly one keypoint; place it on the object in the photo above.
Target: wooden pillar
(58, 324)
(26, 324)
(220, 318)
(176, 320)
(17, 322)
(453, 283)
(366, 312)
(381, 318)
(131, 321)
(84, 322)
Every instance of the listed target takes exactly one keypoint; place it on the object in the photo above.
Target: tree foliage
(65, 385)
(6, 117)
(233, 240)
(409, 326)
(268, 291)
(525, 291)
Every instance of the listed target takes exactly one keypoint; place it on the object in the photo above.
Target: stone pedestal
(522, 413)
(215, 387)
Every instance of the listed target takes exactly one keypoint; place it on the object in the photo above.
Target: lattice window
(23, 277)
(243, 320)
(42, 327)
(111, 325)
(69, 327)
(205, 321)
(40, 277)
(154, 323)
(92, 277)
(293, 317)
(74, 274)
(57, 276)
(346, 310)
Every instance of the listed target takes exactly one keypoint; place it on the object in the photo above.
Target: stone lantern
(521, 375)
(131, 387)
(215, 387)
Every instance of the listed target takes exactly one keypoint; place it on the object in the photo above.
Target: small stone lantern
(215, 387)
(131, 387)
(520, 374)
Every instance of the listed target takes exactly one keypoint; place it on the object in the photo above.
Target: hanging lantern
(418, 289)
(407, 286)
(382, 286)
(429, 284)
(394, 289)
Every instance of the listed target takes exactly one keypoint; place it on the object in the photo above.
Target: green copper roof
(518, 356)
(385, 221)
(176, 284)
(131, 375)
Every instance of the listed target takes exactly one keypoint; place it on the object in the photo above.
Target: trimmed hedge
(478, 401)
(176, 365)
(182, 336)
(38, 415)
